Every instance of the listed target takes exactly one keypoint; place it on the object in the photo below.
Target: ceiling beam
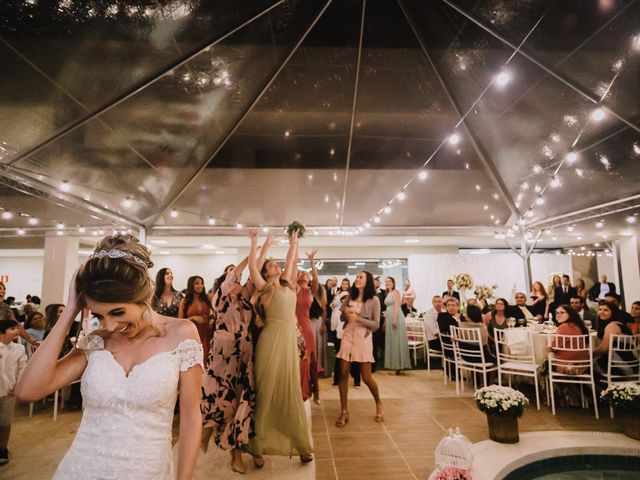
(137, 88)
(487, 162)
(170, 201)
(28, 186)
(549, 70)
(353, 112)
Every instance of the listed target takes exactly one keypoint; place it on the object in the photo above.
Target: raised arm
(292, 258)
(314, 272)
(255, 264)
(44, 373)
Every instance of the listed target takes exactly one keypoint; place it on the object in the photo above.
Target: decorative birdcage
(454, 450)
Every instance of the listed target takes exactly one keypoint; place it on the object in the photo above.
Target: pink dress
(308, 363)
(357, 341)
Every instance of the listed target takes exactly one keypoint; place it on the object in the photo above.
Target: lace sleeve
(190, 354)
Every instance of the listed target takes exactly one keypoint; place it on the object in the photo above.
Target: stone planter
(503, 429)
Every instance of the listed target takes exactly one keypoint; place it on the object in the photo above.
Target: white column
(629, 268)
(60, 261)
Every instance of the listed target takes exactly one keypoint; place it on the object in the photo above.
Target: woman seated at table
(498, 317)
(611, 321)
(474, 320)
(569, 323)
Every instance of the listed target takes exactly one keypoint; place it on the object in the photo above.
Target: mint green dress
(280, 418)
(396, 343)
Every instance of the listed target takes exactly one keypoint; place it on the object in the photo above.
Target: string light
(631, 219)
(64, 186)
(211, 221)
(20, 231)
(503, 78)
(127, 203)
(60, 226)
(537, 168)
(81, 229)
(376, 219)
(598, 115)
(387, 210)
(238, 226)
(33, 221)
(7, 215)
(571, 158)
(401, 196)
(266, 230)
(174, 213)
(540, 201)
(422, 175)
(600, 224)
(555, 182)
(454, 139)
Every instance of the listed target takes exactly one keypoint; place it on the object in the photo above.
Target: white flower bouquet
(625, 396)
(463, 281)
(502, 401)
(485, 292)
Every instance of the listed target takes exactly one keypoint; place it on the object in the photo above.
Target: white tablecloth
(516, 339)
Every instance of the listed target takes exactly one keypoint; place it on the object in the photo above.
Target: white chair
(623, 362)
(432, 353)
(469, 355)
(576, 372)
(448, 357)
(518, 362)
(415, 338)
(59, 394)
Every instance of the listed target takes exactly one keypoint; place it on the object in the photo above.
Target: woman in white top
(131, 371)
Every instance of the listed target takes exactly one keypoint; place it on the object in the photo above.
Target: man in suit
(521, 311)
(450, 292)
(564, 292)
(601, 288)
(578, 305)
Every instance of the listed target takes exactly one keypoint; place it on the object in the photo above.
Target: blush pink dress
(357, 340)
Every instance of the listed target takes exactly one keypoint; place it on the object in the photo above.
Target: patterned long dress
(228, 391)
(308, 363)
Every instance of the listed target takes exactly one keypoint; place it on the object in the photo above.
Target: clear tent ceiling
(190, 114)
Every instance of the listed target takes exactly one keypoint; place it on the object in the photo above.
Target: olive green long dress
(280, 418)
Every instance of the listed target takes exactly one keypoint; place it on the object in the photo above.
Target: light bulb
(537, 168)
(20, 231)
(539, 201)
(367, 225)
(598, 114)
(238, 226)
(60, 226)
(555, 182)
(454, 139)
(60, 233)
(401, 196)
(529, 213)
(7, 215)
(81, 229)
(127, 203)
(174, 213)
(599, 224)
(211, 221)
(376, 219)
(387, 210)
(422, 175)
(64, 186)
(33, 221)
(503, 78)
(571, 157)
(631, 219)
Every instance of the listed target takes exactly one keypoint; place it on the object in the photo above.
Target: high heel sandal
(258, 462)
(343, 419)
(379, 418)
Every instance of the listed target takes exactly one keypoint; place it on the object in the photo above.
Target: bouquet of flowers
(450, 473)
(625, 396)
(485, 292)
(463, 281)
(296, 226)
(503, 401)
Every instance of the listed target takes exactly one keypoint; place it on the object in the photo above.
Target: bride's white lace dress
(125, 431)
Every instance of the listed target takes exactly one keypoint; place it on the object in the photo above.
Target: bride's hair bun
(116, 272)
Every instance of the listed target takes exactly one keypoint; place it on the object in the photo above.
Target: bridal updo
(116, 272)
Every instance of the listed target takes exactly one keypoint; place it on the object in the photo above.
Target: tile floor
(418, 409)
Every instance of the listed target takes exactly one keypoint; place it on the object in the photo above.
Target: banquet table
(516, 339)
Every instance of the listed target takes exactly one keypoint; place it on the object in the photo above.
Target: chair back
(523, 354)
(415, 330)
(623, 364)
(446, 341)
(572, 355)
(467, 345)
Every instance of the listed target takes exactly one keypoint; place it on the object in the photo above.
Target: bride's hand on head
(73, 302)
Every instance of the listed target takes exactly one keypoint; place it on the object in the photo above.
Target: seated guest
(35, 326)
(450, 292)
(601, 288)
(617, 301)
(407, 307)
(430, 323)
(635, 314)
(450, 317)
(585, 314)
(611, 321)
(539, 301)
(569, 323)
(521, 310)
(474, 320)
(498, 316)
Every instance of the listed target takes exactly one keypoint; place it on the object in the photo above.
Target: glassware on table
(511, 322)
(587, 323)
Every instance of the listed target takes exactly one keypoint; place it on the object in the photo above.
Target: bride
(131, 372)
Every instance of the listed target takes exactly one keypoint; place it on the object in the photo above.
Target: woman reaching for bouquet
(304, 299)
(280, 419)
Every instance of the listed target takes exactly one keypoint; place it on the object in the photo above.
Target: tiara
(113, 254)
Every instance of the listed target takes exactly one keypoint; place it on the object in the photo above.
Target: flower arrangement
(463, 281)
(450, 473)
(625, 396)
(501, 401)
(296, 226)
(485, 292)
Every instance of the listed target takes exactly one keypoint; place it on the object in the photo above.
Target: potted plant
(624, 398)
(503, 406)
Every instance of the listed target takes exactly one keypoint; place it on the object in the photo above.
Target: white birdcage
(454, 450)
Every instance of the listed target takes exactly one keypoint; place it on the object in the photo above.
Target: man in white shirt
(13, 360)
(430, 324)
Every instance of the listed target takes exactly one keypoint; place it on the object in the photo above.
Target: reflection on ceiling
(447, 118)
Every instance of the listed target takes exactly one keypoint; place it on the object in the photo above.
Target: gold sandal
(343, 419)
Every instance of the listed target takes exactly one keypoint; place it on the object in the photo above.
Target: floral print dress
(228, 391)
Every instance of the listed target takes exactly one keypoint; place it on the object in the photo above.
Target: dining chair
(416, 338)
(470, 356)
(517, 361)
(623, 362)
